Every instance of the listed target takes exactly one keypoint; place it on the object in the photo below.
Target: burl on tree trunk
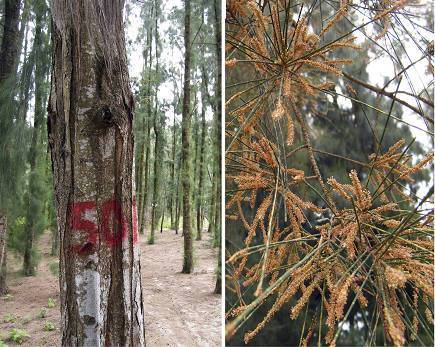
(90, 129)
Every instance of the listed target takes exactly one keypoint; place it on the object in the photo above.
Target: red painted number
(113, 224)
(84, 225)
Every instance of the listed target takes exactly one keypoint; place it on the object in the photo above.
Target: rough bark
(11, 39)
(185, 139)
(91, 135)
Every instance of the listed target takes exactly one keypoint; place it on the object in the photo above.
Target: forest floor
(180, 309)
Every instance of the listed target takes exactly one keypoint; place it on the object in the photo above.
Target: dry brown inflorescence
(371, 251)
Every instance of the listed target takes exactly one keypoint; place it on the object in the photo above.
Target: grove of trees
(329, 182)
(98, 156)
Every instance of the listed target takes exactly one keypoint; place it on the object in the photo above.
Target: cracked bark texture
(91, 135)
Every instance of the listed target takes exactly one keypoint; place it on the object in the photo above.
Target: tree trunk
(218, 175)
(199, 201)
(148, 117)
(157, 132)
(10, 42)
(91, 135)
(3, 251)
(163, 219)
(156, 179)
(35, 218)
(172, 204)
(10, 52)
(185, 139)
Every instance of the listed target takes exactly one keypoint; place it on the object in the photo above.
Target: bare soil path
(180, 310)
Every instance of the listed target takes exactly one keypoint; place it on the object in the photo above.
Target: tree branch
(301, 121)
(391, 95)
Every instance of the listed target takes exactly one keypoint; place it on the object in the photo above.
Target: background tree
(90, 130)
(11, 157)
(185, 138)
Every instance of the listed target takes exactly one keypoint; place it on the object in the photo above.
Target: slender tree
(158, 131)
(35, 197)
(90, 130)
(201, 164)
(148, 119)
(10, 51)
(218, 154)
(185, 139)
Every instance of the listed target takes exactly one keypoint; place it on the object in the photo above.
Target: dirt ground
(180, 310)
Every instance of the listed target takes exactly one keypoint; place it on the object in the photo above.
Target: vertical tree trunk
(91, 135)
(185, 139)
(3, 251)
(211, 226)
(157, 132)
(140, 172)
(10, 51)
(199, 201)
(11, 38)
(35, 218)
(139, 193)
(148, 118)
(218, 118)
(156, 178)
(173, 184)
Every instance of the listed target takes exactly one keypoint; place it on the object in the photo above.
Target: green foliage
(8, 297)
(49, 326)
(11, 317)
(18, 335)
(51, 302)
(43, 312)
(27, 318)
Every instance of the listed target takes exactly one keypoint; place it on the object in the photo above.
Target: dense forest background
(155, 46)
(310, 115)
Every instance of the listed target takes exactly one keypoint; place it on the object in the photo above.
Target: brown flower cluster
(370, 248)
(283, 55)
(364, 233)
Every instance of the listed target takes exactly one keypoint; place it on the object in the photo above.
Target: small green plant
(17, 335)
(8, 297)
(27, 318)
(49, 326)
(43, 312)
(11, 317)
(2, 343)
(44, 336)
(51, 302)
